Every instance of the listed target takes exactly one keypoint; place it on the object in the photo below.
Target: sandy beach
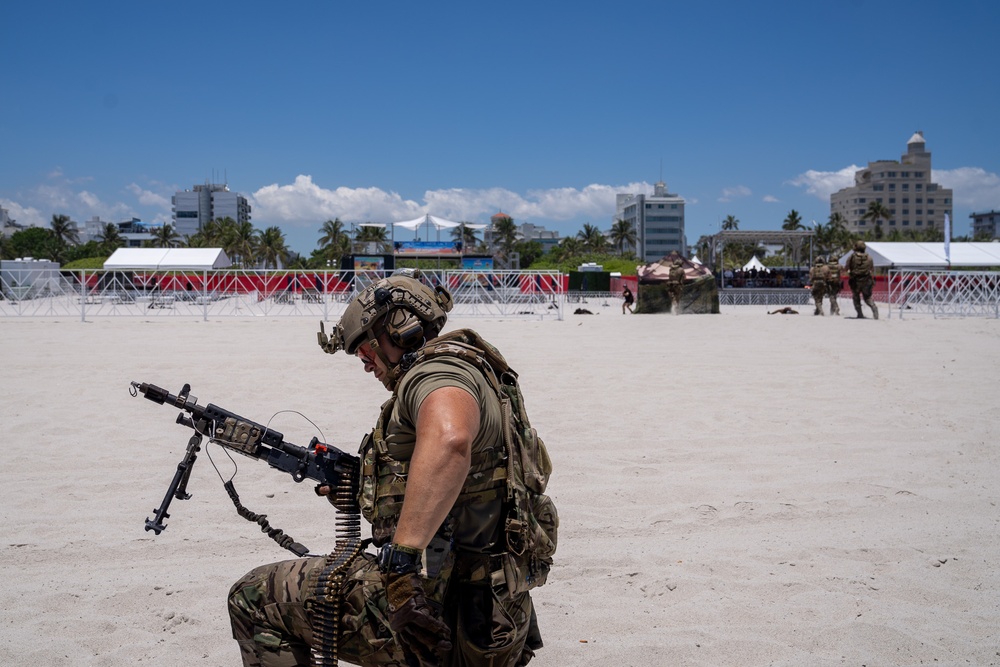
(737, 489)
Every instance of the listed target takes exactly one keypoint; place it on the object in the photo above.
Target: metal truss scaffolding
(944, 293)
(243, 293)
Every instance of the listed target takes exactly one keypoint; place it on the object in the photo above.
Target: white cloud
(24, 215)
(303, 203)
(771, 199)
(972, 187)
(729, 194)
(149, 198)
(822, 184)
(60, 195)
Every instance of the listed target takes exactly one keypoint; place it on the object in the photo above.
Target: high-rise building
(902, 186)
(203, 203)
(658, 220)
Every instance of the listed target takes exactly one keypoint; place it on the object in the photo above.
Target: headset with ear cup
(404, 328)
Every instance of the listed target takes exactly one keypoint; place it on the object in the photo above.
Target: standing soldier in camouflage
(675, 285)
(819, 275)
(461, 535)
(833, 284)
(861, 278)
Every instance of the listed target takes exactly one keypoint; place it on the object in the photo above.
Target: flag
(947, 239)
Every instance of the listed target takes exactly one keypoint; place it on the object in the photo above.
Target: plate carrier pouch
(530, 519)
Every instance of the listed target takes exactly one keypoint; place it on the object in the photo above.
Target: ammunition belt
(324, 607)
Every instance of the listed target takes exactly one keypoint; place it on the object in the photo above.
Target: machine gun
(323, 463)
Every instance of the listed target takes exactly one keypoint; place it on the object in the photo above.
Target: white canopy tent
(438, 223)
(754, 263)
(931, 255)
(171, 259)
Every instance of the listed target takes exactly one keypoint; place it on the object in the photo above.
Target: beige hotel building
(904, 187)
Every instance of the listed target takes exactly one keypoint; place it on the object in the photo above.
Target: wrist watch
(398, 559)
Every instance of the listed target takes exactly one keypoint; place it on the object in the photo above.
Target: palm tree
(165, 236)
(64, 230)
(333, 231)
(373, 234)
(239, 240)
(271, 247)
(623, 235)
(504, 234)
(568, 248)
(110, 238)
(335, 242)
(793, 222)
(593, 238)
(465, 235)
(839, 237)
(214, 231)
(876, 213)
(730, 224)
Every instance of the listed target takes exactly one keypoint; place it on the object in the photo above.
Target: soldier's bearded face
(373, 363)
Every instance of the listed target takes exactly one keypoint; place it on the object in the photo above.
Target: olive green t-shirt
(476, 524)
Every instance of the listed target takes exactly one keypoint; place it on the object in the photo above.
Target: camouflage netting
(698, 297)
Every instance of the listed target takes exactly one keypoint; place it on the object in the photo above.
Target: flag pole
(947, 239)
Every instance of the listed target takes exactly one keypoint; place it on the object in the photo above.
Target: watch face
(395, 561)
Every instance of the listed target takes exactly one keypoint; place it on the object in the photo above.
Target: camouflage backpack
(531, 522)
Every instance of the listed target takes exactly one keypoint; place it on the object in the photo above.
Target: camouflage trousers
(862, 288)
(832, 290)
(675, 292)
(818, 292)
(271, 618)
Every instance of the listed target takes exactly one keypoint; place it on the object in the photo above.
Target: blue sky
(384, 111)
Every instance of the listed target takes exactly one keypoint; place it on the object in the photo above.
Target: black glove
(422, 636)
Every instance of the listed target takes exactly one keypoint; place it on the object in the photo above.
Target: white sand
(739, 489)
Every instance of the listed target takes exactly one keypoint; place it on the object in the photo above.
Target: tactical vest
(516, 476)
(859, 265)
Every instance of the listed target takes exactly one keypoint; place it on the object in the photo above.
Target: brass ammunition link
(325, 607)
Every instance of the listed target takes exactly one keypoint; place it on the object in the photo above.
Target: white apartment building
(203, 203)
(904, 187)
(658, 220)
(986, 225)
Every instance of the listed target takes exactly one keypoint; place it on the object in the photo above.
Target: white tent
(754, 263)
(695, 260)
(173, 259)
(931, 255)
(439, 223)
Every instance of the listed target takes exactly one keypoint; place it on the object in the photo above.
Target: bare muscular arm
(447, 423)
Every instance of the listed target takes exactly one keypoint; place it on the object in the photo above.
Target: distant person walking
(861, 278)
(819, 274)
(675, 285)
(629, 300)
(833, 284)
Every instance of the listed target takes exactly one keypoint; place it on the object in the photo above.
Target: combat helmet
(401, 304)
(859, 246)
(819, 261)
